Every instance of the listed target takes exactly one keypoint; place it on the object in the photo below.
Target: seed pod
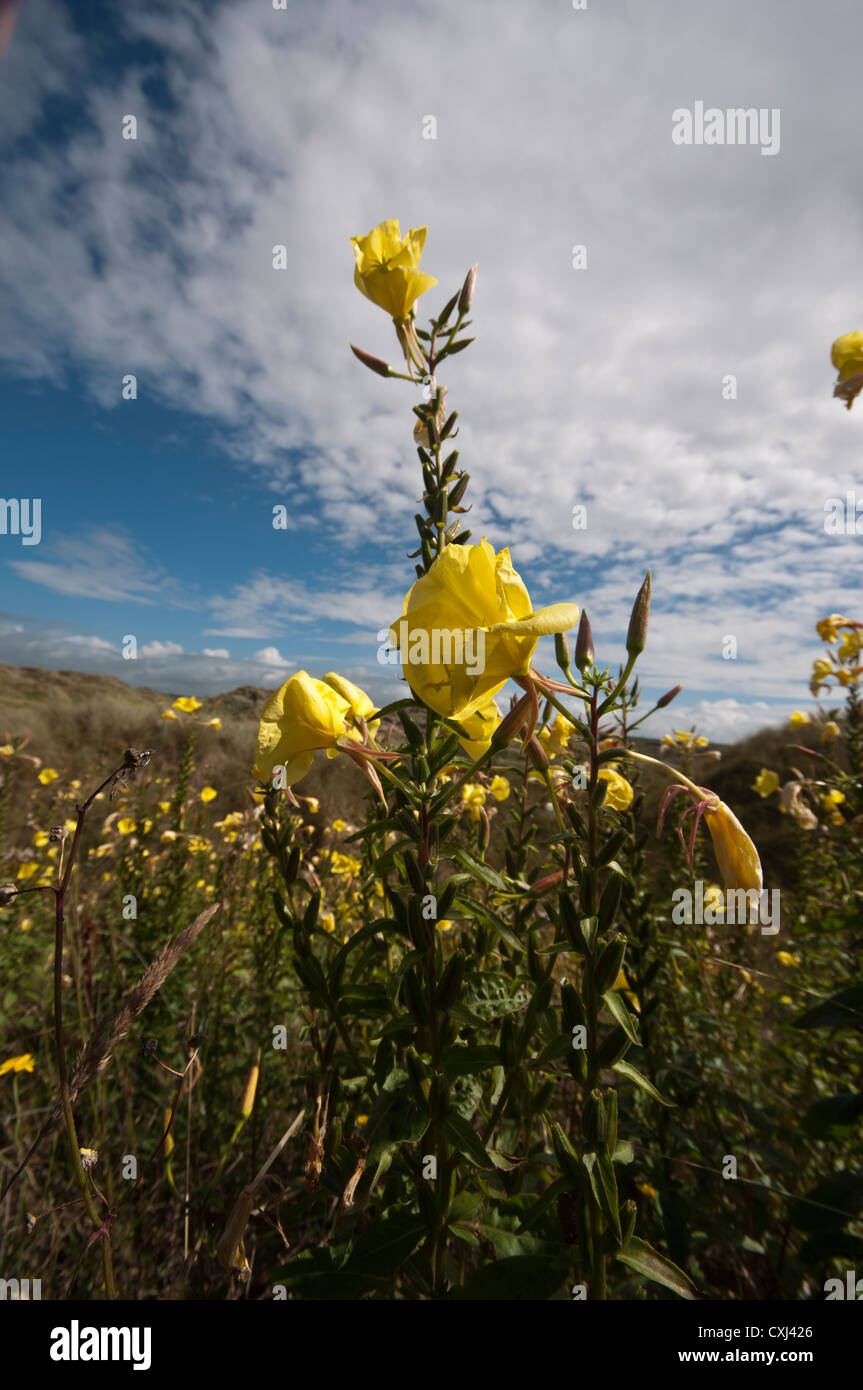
(609, 963)
(451, 980)
(595, 1124)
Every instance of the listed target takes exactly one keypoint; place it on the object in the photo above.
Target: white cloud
(221, 652)
(160, 649)
(270, 656)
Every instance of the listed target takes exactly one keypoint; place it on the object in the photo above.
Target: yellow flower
(798, 718)
(168, 714)
(125, 825)
(328, 921)
(499, 788)
(850, 645)
(714, 898)
(344, 863)
(555, 737)
(313, 804)
(619, 793)
(473, 797)
(339, 826)
(444, 924)
(164, 807)
(47, 776)
(766, 783)
(24, 1062)
(362, 1119)
(196, 844)
(479, 728)
(187, 703)
(736, 855)
(786, 958)
(208, 793)
(28, 869)
(214, 723)
(302, 715)
(828, 628)
(467, 626)
(821, 668)
(647, 1190)
(167, 836)
(832, 798)
(40, 838)
(387, 267)
(6, 750)
(361, 705)
(622, 984)
(847, 357)
(830, 730)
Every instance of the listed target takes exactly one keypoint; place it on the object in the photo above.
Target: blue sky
(599, 386)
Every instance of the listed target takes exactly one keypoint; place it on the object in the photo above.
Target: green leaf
(490, 996)
(463, 1061)
(388, 1242)
(484, 872)
(491, 919)
(633, 1074)
(603, 1182)
(620, 1013)
(521, 1277)
(645, 1260)
(465, 1139)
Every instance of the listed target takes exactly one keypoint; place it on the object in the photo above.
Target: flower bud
(374, 364)
(465, 299)
(584, 644)
(636, 637)
(562, 651)
(248, 1101)
(669, 695)
(511, 725)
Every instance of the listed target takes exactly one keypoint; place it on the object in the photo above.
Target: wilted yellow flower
(619, 793)
(208, 793)
(829, 731)
(24, 1062)
(48, 775)
(766, 783)
(499, 788)
(302, 715)
(798, 718)
(387, 267)
(187, 703)
(736, 855)
(467, 626)
(851, 644)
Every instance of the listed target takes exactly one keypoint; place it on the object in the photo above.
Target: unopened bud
(562, 651)
(636, 637)
(465, 299)
(536, 753)
(511, 724)
(584, 644)
(374, 364)
(669, 695)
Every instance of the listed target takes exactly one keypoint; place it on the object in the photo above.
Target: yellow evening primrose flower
(313, 804)
(467, 626)
(125, 825)
(799, 718)
(24, 1062)
(619, 793)
(47, 776)
(6, 750)
(766, 783)
(832, 798)
(714, 898)
(40, 838)
(473, 797)
(168, 714)
(28, 869)
(555, 737)
(850, 645)
(830, 730)
(499, 788)
(821, 668)
(387, 267)
(187, 704)
(328, 921)
(208, 793)
(444, 924)
(339, 826)
(828, 628)
(214, 723)
(786, 958)
(164, 807)
(622, 985)
(479, 728)
(302, 715)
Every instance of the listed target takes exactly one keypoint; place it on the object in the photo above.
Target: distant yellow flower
(828, 628)
(647, 1190)
(339, 826)
(832, 798)
(623, 986)
(24, 1062)
(6, 750)
(847, 357)
(362, 1119)
(167, 836)
(187, 704)
(387, 267)
(766, 783)
(619, 793)
(47, 776)
(786, 958)
(851, 644)
(328, 921)
(473, 797)
(499, 788)
(821, 668)
(702, 742)
(214, 723)
(798, 718)
(444, 924)
(168, 714)
(40, 838)
(196, 844)
(125, 825)
(27, 870)
(555, 737)
(164, 807)
(313, 804)
(829, 731)
(208, 793)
